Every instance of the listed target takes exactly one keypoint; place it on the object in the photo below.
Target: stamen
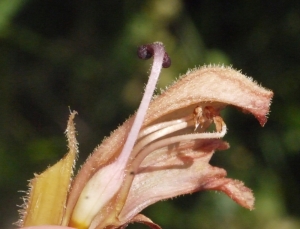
(158, 134)
(201, 116)
(161, 125)
(171, 140)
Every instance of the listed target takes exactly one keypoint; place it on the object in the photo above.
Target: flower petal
(168, 173)
(142, 219)
(234, 189)
(102, 155)
(212, 84)
(208, 86)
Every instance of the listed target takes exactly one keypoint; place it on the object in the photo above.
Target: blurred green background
(82, 54)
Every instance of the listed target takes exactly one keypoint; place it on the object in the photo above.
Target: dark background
(82, 54)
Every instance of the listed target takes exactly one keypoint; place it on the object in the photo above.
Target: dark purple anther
(166, 61)
(147, 51)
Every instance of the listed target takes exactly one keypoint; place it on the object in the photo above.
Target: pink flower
(161, 152)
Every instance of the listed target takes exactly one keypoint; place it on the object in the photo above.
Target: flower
(161, 152)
